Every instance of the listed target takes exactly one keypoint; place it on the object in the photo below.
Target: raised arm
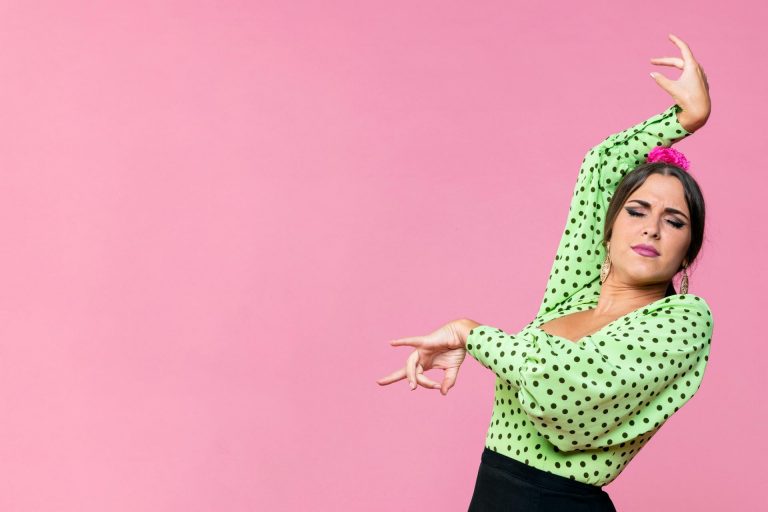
(580, 252)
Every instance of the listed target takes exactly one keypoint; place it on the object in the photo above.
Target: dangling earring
(684, 282)
(606, 264)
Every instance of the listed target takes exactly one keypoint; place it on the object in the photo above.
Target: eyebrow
(648, 205)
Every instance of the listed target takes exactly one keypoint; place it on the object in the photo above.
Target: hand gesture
(443, 349)
(690, 90)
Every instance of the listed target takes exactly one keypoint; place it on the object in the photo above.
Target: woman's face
(656, 216)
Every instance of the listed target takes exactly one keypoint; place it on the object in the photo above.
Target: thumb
(449, 380)
(664, 82)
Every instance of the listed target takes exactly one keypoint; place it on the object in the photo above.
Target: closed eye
(674, 223)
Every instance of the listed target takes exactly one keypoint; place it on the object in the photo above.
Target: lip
(645, 250)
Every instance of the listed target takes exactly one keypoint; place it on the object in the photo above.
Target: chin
(644, 276)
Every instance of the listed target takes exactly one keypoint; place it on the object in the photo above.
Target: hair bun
(668, 155)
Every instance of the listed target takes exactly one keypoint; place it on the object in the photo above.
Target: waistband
(537, 476)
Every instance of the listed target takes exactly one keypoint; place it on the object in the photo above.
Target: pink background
(215, 215)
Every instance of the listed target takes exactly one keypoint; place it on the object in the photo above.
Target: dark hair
(693, 198)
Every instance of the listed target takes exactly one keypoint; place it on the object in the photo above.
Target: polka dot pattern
(580, 253)
(584, 409)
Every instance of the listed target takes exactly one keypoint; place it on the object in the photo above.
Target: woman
(614, 350)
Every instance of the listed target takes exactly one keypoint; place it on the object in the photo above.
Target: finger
(410, 368)
(449, 380)
(392, 377)
(427, 382)
(669, 61)
(687, 55)
(663, 81)
(414, 341)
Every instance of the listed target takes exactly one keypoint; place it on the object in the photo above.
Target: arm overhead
(580, 252)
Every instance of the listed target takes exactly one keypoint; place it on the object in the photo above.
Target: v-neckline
(592, 301)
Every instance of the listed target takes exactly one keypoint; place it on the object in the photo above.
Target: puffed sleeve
(612, 386)
(580, 253)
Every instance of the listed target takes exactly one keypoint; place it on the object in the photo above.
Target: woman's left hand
(443, 348)
(690, 90)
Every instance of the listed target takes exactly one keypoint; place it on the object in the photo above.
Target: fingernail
(436, 386)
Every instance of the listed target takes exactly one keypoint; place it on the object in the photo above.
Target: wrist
(692, 121)
(463, 326)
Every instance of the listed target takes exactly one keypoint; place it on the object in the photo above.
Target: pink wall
(215, 215)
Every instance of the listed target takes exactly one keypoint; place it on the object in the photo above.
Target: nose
(652, 230)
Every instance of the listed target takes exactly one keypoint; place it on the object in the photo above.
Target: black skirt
(506, 484)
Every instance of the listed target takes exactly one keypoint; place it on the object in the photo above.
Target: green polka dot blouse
(584, 409)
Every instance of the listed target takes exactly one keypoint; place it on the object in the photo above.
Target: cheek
(681, 238)
(678, 243)
(620, 229)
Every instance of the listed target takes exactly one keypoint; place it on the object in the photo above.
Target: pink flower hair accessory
(668, 155)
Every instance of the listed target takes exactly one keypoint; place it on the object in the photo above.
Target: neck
(618, 298)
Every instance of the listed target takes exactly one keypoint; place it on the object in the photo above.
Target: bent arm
(615, 386)
(580, 252)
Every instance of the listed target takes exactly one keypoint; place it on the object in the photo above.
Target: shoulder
(679, 304)
(684, 317)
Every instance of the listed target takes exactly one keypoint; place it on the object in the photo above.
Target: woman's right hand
(443, 349)
(690, 90)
